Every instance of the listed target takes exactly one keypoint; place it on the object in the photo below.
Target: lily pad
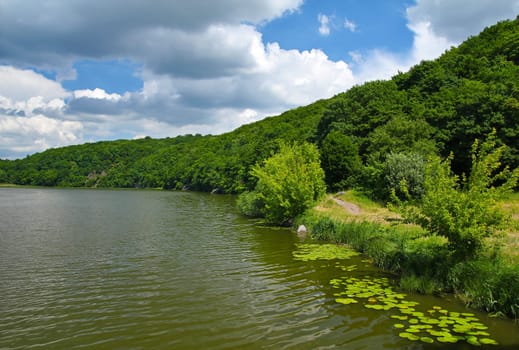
(398, 317)
(409, 336)
(427, 340)
(472, 340)
(450, 339)
(346, 301)
(488, 341)
(309, 252)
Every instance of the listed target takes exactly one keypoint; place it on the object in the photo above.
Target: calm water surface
(99, 269)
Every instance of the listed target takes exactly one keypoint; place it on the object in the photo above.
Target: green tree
(340, 161)
(289, 182)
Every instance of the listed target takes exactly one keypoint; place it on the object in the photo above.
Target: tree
(289, 182)
(340, 161)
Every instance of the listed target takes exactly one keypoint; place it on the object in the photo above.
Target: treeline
(201, 163)
(437, 108)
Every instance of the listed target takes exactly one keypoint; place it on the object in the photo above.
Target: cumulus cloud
(22, 84)
(437, 25)
(455, 20)
(54, 33)
(20, 136)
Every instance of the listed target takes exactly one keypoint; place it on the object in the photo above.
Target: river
(128, 269)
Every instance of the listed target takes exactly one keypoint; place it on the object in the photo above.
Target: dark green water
(92, 269)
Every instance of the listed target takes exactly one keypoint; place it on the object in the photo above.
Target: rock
(302, 229)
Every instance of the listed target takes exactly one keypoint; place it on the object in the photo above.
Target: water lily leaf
(450, 339)
(374, 306)
(472, 340)
(412, 330)
(479, 334)
(427, 340)
(308, 252)
(436, 333)
(408, 336)
(346, 301)
(398, 317)
(428, 320)
(488, 341)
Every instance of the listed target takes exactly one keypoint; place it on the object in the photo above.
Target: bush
(250, 204)
(404, 175)
(464, 210)
(289, 182)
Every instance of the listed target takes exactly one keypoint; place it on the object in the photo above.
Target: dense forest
(437, 107)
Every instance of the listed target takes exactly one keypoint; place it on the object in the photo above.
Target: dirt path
(349, 207)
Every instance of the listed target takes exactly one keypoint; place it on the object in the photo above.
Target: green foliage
(404, 175)
(289, 182)
(465, 211)
(250, 204)
(200, 163)
(340, 161)
(438, 106)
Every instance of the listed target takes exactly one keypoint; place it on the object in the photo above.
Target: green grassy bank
(489, 282)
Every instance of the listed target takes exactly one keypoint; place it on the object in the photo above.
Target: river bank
(489, 283)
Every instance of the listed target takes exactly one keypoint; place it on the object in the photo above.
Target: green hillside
(438, 107)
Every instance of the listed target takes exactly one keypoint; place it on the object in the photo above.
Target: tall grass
(488, 284)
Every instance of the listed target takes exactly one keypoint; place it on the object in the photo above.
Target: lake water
(101, 269)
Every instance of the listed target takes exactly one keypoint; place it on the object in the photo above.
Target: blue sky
(80, 71)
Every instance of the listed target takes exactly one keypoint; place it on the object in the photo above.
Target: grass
(369, 210)
(510, 239)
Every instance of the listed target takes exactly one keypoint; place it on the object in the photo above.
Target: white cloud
(324, 24)
(350, 25)
(437, 25)
(205, 66)
(22, 84)
(97, 93)
(456, 20)
(25, 135)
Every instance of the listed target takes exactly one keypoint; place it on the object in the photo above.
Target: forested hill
(202, 163)
(439, 106)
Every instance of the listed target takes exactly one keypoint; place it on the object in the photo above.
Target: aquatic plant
(310, 251)
(432, 325)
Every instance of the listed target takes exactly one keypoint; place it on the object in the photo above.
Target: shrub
(289, 182)
(404, 174)
(250, 204)
(464, 210)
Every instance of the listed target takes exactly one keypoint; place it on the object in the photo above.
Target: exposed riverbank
(489, 283)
